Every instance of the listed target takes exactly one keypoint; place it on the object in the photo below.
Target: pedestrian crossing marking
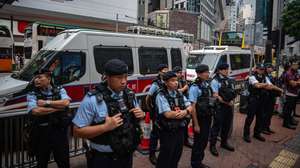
(285, 159)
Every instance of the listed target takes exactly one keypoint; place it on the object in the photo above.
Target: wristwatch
(47, 103)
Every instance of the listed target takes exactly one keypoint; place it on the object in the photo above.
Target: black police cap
(115, 67)
(42, 71)
(268, 65)
(168, 75)
(260, 66)
(162, 66)
(222, 66)
(177, 69)
(202, 68)
(293, 61)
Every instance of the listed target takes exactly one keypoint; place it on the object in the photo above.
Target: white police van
(239, 60)
(76, 58)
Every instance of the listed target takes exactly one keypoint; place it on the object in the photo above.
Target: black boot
(294, 122)
(153, 158)
(247, 138)
(214, 150)
(289, 126)
(266, 132)
(203, 166)
(227, 147)
(270, 131)
(259, 137)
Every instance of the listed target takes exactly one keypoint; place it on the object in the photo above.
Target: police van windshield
(36, 63)
(196, 59)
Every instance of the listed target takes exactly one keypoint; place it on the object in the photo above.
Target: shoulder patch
(93, 92)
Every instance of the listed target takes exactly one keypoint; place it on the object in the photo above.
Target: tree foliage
(291, 19)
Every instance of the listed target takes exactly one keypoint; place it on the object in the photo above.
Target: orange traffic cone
(145, 142)
(190, 133)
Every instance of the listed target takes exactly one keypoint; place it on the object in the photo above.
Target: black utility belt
(94, 152)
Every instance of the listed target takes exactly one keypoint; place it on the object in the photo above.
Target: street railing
(12, 146)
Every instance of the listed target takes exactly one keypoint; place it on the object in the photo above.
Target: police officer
(150, 99)
(108, 118)
(182, 83)
(200, 95)
(270, 101)
(292, 83)
(183, 88)
(172, 107)
(259, 84)
(47, 107)
(223, 90)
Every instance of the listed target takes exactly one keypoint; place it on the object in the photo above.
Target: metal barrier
(12, 147)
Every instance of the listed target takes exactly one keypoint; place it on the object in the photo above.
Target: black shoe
(294, 122)
(266, 132)
(227, 147)
(270, 131)
(259, 137)
(213, 150)
(153, 158)
(203, 166)
(247, 139)
(188, 144)
(289, 126)
(296, 115)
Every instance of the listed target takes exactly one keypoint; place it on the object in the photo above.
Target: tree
(291, 19)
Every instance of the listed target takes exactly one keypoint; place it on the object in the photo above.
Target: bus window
(102, 54)
(150, 58)
(176, 57)
(239, 61)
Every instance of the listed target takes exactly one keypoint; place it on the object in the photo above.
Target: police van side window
(150, 57)
(239, 61)
(67, 67)
(102, 54)
(176, 57)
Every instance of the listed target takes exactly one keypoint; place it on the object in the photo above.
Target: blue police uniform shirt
(162, 102)
(195, 92)
(216, 85)
(253, 80)
(32, 99)
(154, 87)
(270, 77)
(92, 111)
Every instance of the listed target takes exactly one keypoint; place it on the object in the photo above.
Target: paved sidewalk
(254, 155)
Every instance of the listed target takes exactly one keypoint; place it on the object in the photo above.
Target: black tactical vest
(158, 81)
(160, 84)
(60, 119)
(255, 91)
(226, 91)
(175, 103)
(204, 105)
(124, 139)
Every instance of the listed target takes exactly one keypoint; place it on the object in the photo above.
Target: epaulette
(92, 92)
(99, 95)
